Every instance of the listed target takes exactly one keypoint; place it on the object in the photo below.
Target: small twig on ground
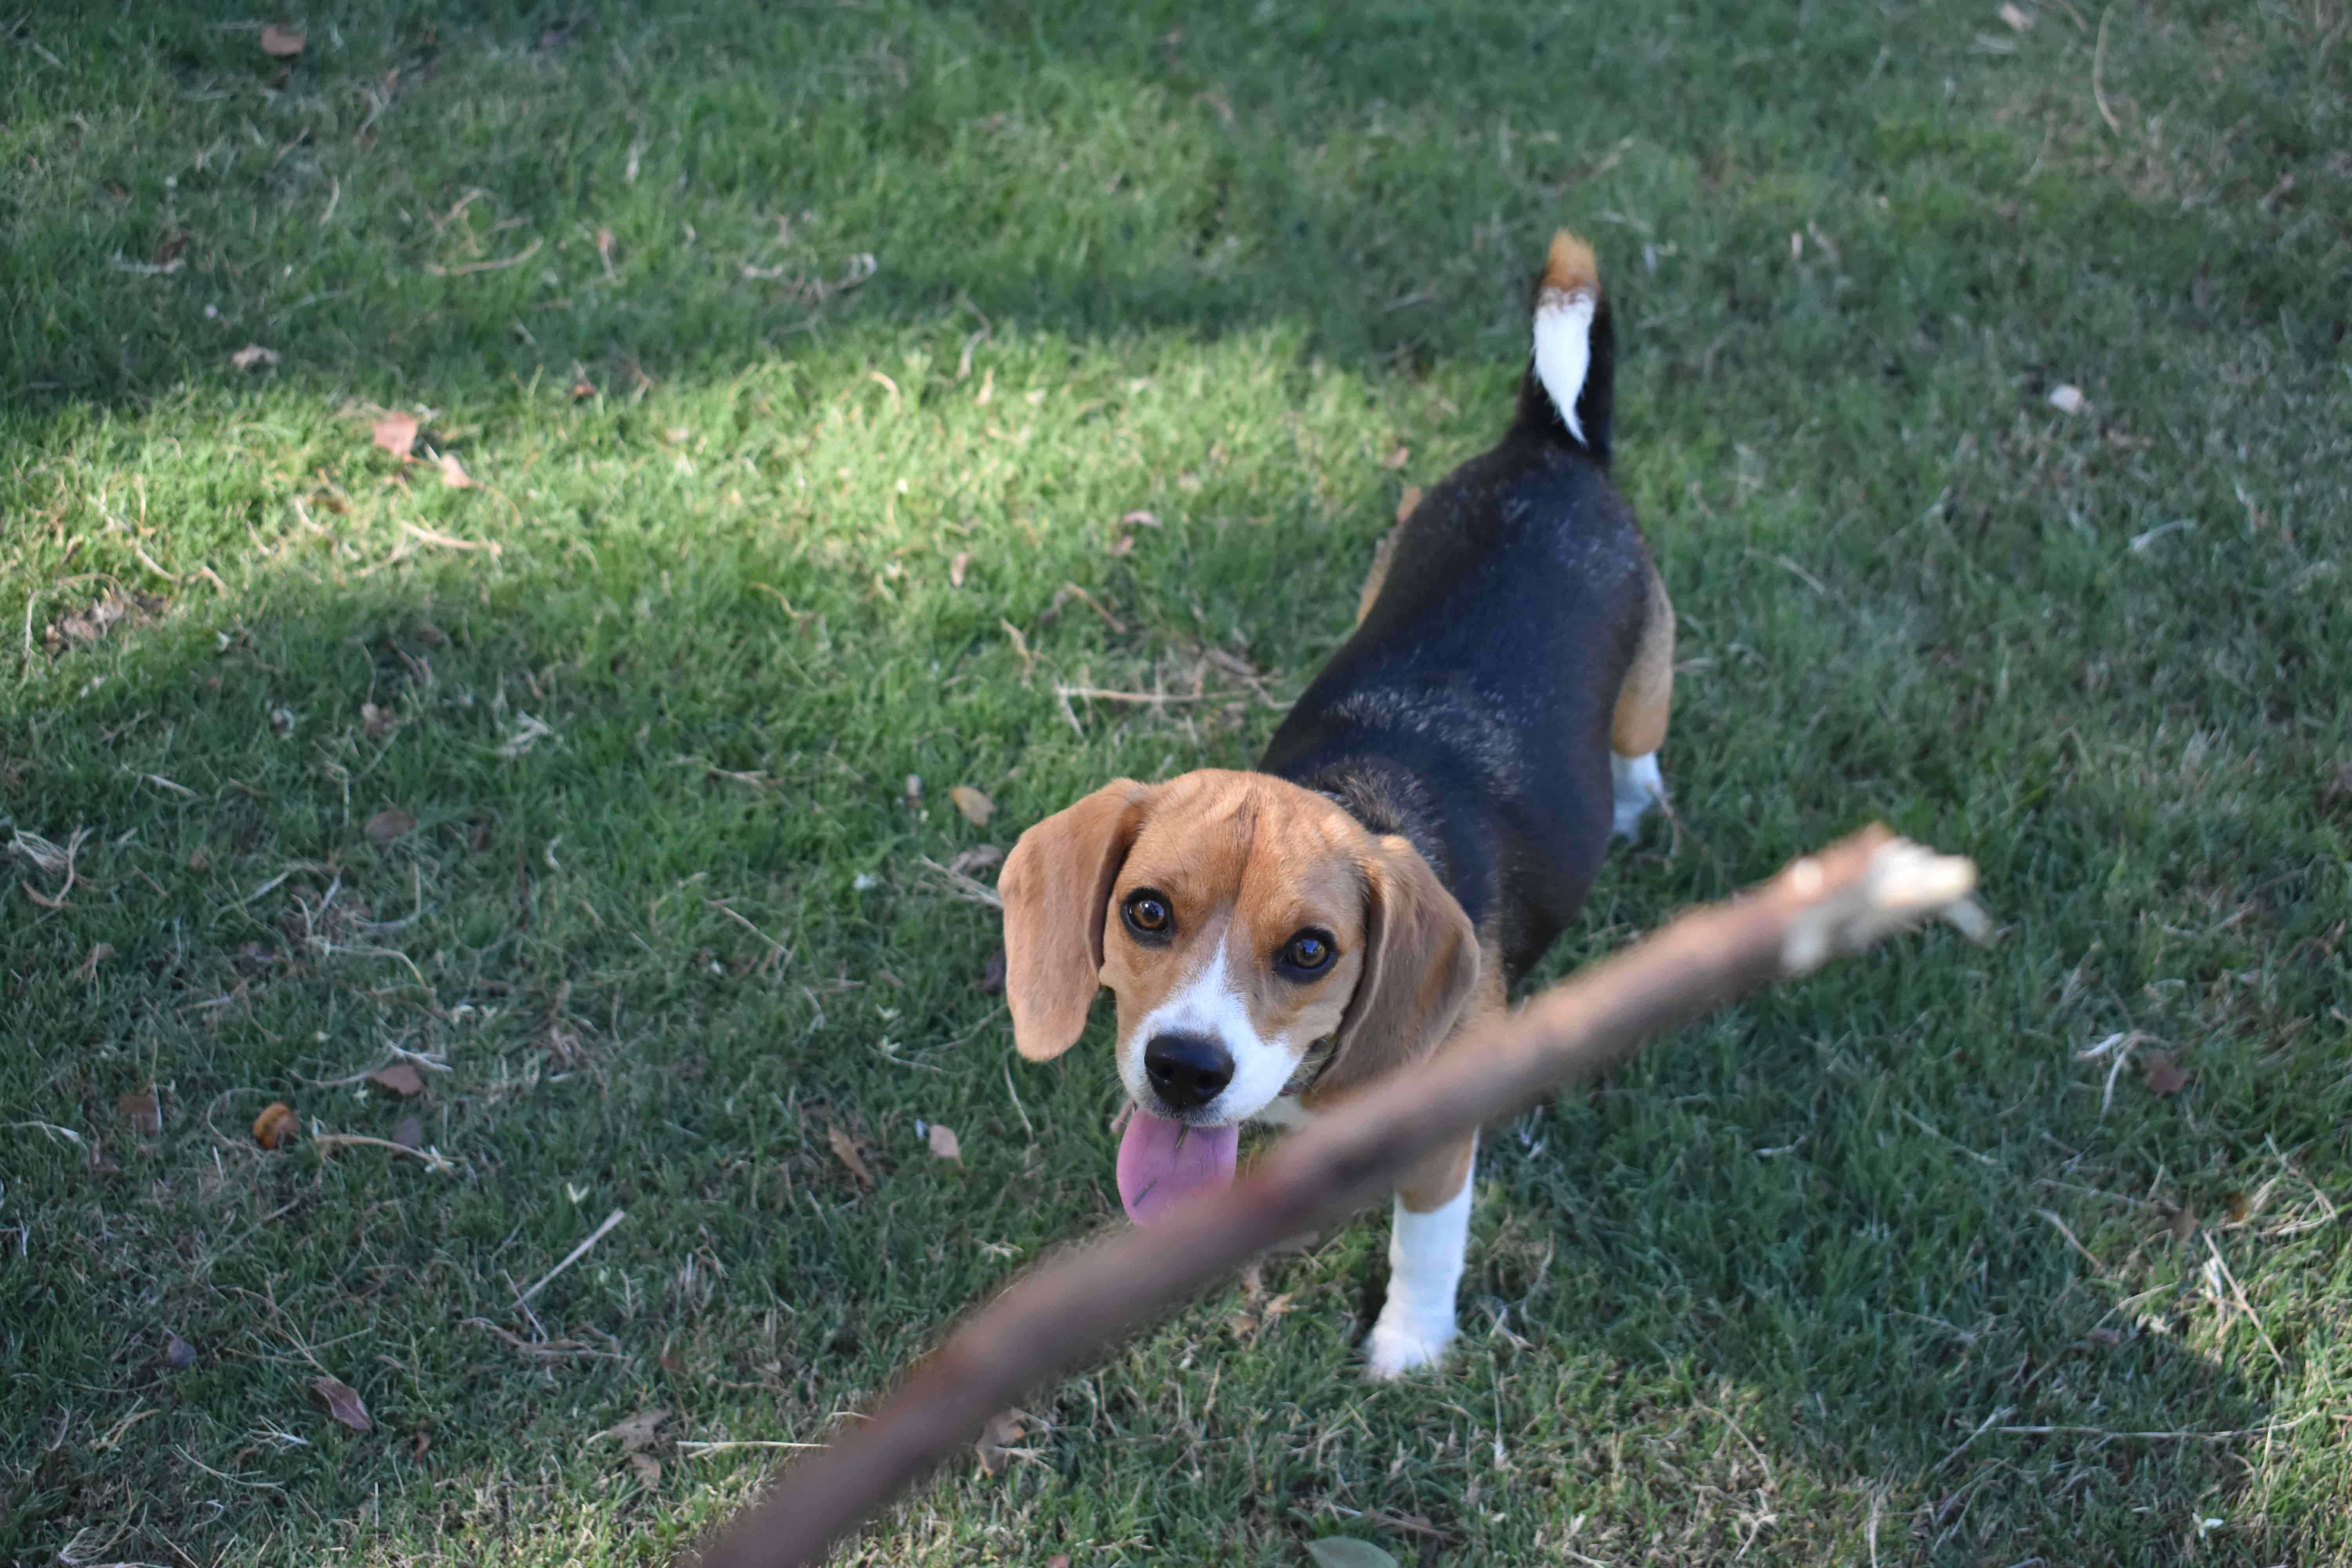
(2098, 63)
(517, 259)
(1147, 699)
(1070, 1312)
(958, 885)
(574, 1256)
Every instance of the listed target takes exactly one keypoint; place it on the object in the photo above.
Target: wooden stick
(1069, 1312)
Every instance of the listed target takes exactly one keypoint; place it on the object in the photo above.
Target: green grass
(1777, 1293)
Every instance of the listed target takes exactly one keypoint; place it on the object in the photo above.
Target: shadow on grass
(640, 938)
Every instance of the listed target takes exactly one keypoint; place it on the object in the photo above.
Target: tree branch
(1068, 1313)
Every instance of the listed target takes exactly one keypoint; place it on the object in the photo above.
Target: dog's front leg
(1428, 1237)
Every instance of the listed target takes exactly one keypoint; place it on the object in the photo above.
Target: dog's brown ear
(1055, 885)
(1420, 963)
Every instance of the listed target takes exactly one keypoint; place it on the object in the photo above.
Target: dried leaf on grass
(995, 1447)
(140, 1109)
(2067, 398)
(2162, 1075)
(956, 568)
(276, 1126)
(453, 472)
(944, 1143)
(1398, 459)
(179, 1354)
(976, 808)
(388, 825)
(845, 1149)
(1346, 1551)
(101, 617)
(409, 1133)
(344, 1403)
(397, 433)
(979, 858)
(638, 1431)
(2018, 21)
(648, 1468)
(280, 43)
(400, 1078)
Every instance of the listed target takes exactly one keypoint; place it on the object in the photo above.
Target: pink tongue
(1156, 1172)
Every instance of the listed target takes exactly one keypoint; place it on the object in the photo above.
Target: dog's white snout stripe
(1210, 1002)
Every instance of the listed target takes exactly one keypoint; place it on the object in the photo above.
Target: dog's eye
(1309, 952)
(1147, 913)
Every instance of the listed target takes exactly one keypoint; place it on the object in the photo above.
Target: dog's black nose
(1187, 1072)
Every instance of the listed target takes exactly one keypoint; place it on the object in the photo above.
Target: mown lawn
(810, 366)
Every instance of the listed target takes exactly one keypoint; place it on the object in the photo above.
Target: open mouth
(1162, 1162)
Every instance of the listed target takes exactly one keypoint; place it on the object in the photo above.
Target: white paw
(1404, 1341)
(1636, 785)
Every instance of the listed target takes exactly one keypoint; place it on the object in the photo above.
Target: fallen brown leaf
(401, 1078)
(179, 1354)
(979, 858)
(419, 1446)
(845, 1149)
(388, 825)
(975, 807)
(1003, 1430)
(956, 568)
(99, 953)
(2241, 1208)
(1147, 519)
(344, 1403)
(1123, 545)
(2162, 1076)
(453, 472)
(409, 1133)
(944, 1144)
(276, 1126)
(199, 860)
(2019, 22)
(139, 1109)
(648, 1469)
(253, 356)
(397, 433)
(2183, 1223)
(1059, 1559)
(992, 973)
(1398, 459)
(280, 43)
(638, 1431)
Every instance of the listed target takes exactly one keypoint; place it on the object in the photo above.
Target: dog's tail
(1566, 389)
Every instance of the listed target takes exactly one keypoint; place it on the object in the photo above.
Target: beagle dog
(1426, 819)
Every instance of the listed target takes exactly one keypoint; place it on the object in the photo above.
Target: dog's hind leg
(1644, 699)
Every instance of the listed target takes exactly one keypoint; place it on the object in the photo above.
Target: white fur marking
(1637, 785)
(1208, 1003)
(1425, 1257)
(1564, 350)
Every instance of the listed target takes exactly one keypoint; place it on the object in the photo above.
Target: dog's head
(1244, 924)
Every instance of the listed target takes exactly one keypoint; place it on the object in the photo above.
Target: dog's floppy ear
(1055, 885)
(1421, 961)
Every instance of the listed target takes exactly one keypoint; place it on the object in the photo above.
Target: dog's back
(1472, 710)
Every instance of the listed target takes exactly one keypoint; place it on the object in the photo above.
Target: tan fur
(1385, 552)
(1570, 267)
(1244, 860)
(1055, 886)
(1645, 697)
(1421, 964)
